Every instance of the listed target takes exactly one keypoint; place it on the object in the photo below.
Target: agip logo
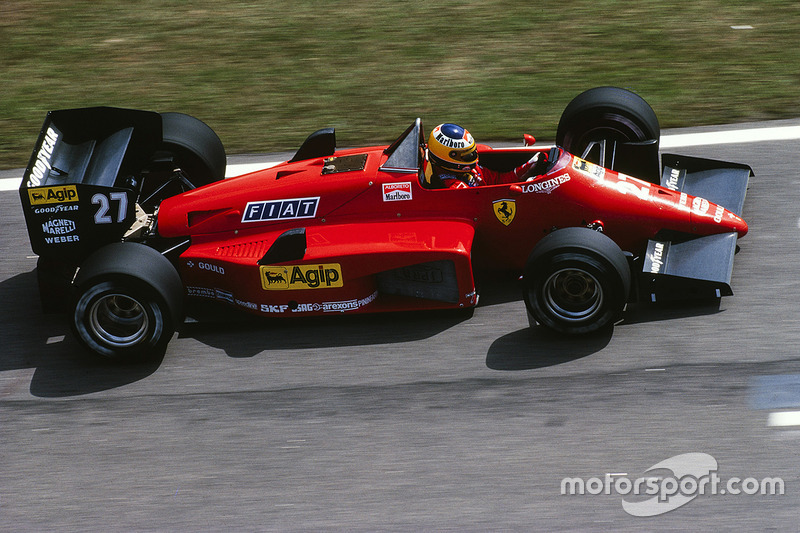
(297, 277)
(53, 195)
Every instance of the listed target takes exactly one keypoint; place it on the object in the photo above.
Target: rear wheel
(576, 281)
(190, 155)
(129, 302)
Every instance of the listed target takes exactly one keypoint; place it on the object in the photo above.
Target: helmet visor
(469, 158)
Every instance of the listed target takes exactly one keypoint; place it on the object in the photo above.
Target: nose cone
(708, 218)
(738, 224)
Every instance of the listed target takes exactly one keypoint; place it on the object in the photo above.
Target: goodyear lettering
(297, 277)
(673, 180)
(293, 208)
(41, 167)
(55, 209)
(657, 258)
(64, 194)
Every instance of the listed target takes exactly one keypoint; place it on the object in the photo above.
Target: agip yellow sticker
(63, 194)
(297, 277)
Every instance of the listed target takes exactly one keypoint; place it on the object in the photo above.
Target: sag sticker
(504, 210)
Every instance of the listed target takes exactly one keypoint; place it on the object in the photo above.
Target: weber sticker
(395, 192)
(63, 194)
(296, 277)
(292, 208)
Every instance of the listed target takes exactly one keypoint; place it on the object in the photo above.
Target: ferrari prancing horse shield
(504, 210)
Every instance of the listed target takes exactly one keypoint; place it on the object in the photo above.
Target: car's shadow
(44, 343)
(537, 347)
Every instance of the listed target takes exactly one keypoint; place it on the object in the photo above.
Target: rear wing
(79, 186)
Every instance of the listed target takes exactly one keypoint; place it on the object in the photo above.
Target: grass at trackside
(265, 74)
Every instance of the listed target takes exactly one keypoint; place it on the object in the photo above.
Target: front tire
(595, 121)
(576, 281)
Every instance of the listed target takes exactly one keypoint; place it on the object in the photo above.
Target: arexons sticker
(294, 277)
(288, 209)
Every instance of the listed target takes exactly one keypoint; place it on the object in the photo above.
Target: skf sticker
(291, 208)
(294, 277)
(505, 210)
(394, 192)
(588, 168)
(64, 194)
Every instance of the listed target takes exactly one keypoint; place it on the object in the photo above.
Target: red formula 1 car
(130, 216)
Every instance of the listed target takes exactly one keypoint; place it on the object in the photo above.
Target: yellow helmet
(451, 147)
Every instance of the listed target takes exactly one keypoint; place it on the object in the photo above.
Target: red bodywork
(376, 240)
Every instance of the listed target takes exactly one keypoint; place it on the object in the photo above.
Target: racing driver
(452, 162)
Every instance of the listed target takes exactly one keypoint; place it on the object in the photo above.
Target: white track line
(784, 419)
(668, 142)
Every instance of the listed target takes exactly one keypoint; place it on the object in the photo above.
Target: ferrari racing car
(131, 218)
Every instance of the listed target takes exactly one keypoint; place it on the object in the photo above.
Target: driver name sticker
(395, 192)
(586, 167)
(291, 208)
(295, 277)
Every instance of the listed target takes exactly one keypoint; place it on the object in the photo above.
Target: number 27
(103, 202)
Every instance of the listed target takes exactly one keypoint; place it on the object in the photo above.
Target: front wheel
(576, 281)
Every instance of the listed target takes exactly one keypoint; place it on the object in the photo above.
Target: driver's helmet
(452, 148)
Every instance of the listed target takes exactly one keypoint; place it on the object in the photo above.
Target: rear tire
(189, 156)
(129, 302)
(576, 281)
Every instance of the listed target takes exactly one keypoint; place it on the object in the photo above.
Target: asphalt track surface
(463, 422)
